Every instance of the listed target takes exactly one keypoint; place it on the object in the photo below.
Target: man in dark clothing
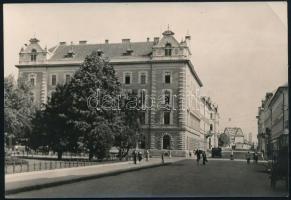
(204, 157)
(134, 156)
(248, 157)
(197, 153)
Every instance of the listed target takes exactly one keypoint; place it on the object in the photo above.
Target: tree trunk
(90, 155)
(60, 154)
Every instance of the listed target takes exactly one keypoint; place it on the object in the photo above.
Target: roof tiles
(140, 49)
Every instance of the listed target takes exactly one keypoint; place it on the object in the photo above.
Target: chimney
(156, 40)
(126, 40)
(148, 39)
(62, 43)
(83, 42)
(106, 41)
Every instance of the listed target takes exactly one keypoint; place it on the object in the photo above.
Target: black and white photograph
(120, 100)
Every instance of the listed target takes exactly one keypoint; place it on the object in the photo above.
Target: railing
(26, 162)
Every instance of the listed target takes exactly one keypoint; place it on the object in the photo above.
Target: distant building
(209, 123)
(236, 136)
(264, 124)
(280, 118)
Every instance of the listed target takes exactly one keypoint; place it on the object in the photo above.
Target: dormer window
(33, 55)
(70, 54)
(168, 50)
(99, 52)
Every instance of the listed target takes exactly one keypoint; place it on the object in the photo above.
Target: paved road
(183, 178)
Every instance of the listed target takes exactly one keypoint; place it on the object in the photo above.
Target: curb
(82, 178)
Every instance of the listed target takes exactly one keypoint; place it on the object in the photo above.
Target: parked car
(216, 153)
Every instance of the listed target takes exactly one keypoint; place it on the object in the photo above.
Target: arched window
(33, 55)
(168, 49)
(211, 127)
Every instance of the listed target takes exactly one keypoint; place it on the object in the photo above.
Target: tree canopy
(19, 108)
(82, 114)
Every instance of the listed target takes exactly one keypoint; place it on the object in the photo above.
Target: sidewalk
(237, 159)
(20, 182)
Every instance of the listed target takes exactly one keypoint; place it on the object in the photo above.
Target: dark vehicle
(216, 153)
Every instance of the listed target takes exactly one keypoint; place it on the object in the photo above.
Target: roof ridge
(77, 44)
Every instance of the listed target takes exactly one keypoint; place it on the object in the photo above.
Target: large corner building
(161, 67)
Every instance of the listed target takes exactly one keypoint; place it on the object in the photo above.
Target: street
(183, 178)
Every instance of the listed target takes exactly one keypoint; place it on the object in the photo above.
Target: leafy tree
(93, 89)
(18, 108)
(126, 131)
(52, 126)
(223, 140)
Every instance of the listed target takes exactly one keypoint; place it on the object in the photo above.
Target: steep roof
(234, 131)
(140, 49)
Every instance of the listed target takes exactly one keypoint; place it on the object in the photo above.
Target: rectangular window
(167, 97)
(54, 79)
(32, 81)
(142, 96)
(127, 79)
(166, 117)
(142, 117)
(68, 78)
(143, 79)
(167, 77)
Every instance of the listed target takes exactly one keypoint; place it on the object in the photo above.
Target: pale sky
(239, 50)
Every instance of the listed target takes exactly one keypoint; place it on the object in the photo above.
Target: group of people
(255, 157)
(199, 154)
(137, 155)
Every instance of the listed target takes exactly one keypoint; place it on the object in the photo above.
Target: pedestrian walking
(248, 157)
(139, 156)
(134, 156)
(197, 153)
(162, 156)
(190, 154)
(263, 155)
(204, 157)
(147, 153)
(231, 155)
(256, 157)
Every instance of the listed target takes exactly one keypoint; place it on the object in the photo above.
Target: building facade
(209, 124)
(160, 69)
(264, 125)
(273, 121)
